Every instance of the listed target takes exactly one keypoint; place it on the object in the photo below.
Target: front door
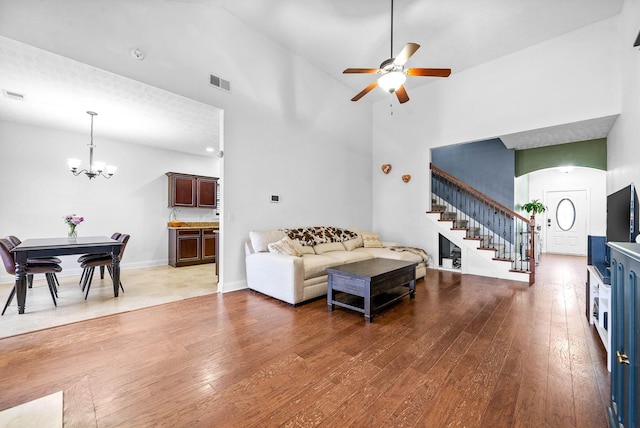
(566, 222)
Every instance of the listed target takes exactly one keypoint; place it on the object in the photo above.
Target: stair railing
(499, 228)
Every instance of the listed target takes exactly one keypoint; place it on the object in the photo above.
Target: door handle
(622, 358)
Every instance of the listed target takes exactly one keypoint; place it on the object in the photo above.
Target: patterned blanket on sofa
(319, 235)
(417, 251)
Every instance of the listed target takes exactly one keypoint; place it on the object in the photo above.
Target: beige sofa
(289, 264)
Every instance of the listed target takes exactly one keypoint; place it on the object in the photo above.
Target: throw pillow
(329, 246)
(352, 244)
(302, 249)
(260, 239)
(371, 240)
(284, 246)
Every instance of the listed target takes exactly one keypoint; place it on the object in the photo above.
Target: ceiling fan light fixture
(392, 80)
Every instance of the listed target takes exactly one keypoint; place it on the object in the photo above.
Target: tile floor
(44, 412)
(143, 287)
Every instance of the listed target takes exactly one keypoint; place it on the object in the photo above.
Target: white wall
(589, 179)
(38, 190)
(562, 80)
(288, 129)
(623, 159)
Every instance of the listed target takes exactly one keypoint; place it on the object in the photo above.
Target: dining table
(48, 247)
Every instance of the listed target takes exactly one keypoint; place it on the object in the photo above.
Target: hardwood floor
(468, 351)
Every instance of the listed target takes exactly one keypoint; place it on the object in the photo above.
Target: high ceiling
(330, 34)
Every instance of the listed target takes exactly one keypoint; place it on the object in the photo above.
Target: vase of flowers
(73, 221)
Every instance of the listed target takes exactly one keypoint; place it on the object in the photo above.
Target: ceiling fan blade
(401, 93)
(406, 52)
(365, 91)
(361, 70)
(435, 72)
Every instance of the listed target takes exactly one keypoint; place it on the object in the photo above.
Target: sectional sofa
(289, 264)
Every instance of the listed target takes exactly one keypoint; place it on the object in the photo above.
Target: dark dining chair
(90, 265)
(86, 257)
(49, 269)
(15, 241)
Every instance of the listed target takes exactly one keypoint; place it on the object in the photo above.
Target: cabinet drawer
(190, 232)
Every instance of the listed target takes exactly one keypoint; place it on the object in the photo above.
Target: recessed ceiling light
(209, 149)
(137, 53)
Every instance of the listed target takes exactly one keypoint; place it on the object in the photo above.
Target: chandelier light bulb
(74, 164)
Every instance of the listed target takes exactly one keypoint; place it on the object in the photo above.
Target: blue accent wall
(488, 166)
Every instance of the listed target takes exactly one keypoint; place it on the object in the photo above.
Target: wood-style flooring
(469, 351)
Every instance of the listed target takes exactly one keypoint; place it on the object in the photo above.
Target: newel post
(532, 252)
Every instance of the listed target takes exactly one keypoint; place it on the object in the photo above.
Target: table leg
(330, 292)
(115, 269)
(21, 286)
(368, 316)
(412, 289)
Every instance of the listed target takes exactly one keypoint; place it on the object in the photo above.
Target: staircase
(494, 240)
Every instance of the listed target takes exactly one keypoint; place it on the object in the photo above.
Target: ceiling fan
(393, 72)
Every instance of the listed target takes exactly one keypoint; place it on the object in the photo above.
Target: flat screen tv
(622, 215)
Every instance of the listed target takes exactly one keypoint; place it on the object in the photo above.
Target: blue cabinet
(625, 293)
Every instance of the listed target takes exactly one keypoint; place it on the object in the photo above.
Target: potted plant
(534, 207)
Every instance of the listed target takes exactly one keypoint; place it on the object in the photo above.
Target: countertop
(195, 225)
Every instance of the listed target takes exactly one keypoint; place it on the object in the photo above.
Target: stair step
(486, 240)
(460, 224)
(473, 232)
(449, 216)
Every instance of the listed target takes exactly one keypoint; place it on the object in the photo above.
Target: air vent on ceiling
(220, 83)
(13, 95)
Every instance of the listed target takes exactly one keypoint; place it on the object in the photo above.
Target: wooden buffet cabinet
(192, 245)
(193, 191)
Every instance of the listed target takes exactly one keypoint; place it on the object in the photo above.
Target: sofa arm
(276, 275)
(248, 248)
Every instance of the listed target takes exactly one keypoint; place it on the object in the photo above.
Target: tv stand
(599, 307)
(598, 290)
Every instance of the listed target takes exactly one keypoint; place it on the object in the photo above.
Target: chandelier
(95, 168)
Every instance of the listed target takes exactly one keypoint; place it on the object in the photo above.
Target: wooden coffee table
(370, 285)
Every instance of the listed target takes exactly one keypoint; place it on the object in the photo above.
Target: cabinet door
(206, 192)
(617, 340)
(183, 191)
(188, 245)
(624, 354)
(208, 244)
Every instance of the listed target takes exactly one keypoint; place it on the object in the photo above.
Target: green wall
(591, 154)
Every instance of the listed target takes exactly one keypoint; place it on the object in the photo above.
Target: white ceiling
(58, 91)
(330, 34)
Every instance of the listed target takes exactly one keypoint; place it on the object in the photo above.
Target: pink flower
(73, 220)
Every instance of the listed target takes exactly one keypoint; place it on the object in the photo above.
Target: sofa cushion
(315, 264)
(349, 256)
(260, 239)
(302, 249)
(371, 240)
(329, 246)
(385, 253)
(284, 246)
